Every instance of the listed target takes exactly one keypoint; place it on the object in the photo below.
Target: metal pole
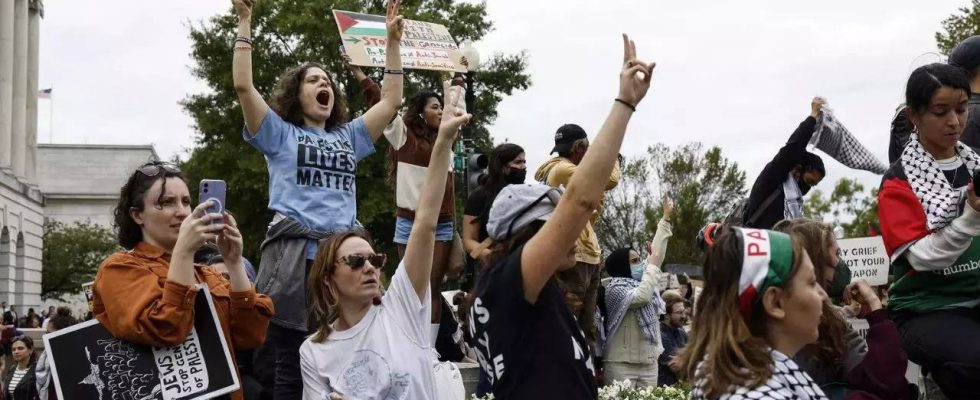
(470, 107)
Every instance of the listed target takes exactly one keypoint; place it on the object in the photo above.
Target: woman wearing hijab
(632, 309)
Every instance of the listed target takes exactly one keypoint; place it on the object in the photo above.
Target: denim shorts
(403, 227)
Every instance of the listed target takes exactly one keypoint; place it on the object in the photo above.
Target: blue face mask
(637, 271)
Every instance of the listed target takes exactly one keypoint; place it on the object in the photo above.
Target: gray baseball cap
(516, 206)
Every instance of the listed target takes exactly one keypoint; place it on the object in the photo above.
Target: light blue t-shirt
(312, 171)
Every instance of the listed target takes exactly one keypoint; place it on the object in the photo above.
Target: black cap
(966, 54)
(567, 135)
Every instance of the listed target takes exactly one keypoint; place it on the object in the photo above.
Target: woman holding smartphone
(146, 293)
(312, 153)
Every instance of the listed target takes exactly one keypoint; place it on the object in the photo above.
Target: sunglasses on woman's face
(153, 169)
(356, 261)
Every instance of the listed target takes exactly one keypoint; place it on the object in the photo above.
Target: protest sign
(88, 363)
(424, 45)
(87, 289)
(867, 259)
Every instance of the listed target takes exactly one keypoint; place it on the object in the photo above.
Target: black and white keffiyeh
(788, 382)
(619, 295)
(939, 200)
(792, 199)
(833, 138)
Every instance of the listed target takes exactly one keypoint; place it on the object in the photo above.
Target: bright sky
(738, 75)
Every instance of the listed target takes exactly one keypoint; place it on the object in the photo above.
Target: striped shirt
(18, 375)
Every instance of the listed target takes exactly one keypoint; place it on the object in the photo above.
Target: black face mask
(842, 277)
(516, 176)
(804, 187)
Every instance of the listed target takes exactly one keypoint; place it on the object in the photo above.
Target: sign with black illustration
(89, 364)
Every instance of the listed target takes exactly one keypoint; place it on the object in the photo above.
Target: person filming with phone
(146, 293)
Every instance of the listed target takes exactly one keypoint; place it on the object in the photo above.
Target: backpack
(737, 217)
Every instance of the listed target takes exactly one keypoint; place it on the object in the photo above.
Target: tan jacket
(558, 172)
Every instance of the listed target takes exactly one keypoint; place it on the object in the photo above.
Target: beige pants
(640, 375)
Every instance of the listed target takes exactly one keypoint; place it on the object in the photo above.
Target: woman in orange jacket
(146, 293)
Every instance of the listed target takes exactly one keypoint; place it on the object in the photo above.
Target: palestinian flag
(351, 23)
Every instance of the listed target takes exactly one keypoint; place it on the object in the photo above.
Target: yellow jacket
(558, 172)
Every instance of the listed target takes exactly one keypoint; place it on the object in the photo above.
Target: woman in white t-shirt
(369, 347)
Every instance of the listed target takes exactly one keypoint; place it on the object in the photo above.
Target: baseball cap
(966, 54)
(566, 135)
(516, 206)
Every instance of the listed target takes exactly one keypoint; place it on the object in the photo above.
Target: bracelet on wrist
(625, 103)
(394, 72)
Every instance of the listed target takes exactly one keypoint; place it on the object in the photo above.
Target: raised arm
(379, 115)
(253, 106)
(422, 239)
(540, 255)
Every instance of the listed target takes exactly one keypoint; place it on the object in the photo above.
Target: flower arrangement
(624, 390)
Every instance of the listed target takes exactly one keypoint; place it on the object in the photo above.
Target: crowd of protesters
(548, 312)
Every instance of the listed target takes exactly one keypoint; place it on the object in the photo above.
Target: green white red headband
(767, 260)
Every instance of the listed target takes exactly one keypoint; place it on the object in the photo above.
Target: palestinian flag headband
(767, 260)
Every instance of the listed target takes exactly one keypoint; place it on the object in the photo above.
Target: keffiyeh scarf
(619, 295)
(788, 382)
(793, 199)
(939, 200)
(833, 138)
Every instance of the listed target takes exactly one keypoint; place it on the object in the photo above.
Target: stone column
(33, 36)
(6, 80)
(19, 141)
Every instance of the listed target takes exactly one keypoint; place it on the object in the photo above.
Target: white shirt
(386, 356)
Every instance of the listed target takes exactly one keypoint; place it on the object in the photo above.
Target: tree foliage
(289, 32)
(848, 206)
(959, 26)
(703, 184)
(71, 256)
(628, 209)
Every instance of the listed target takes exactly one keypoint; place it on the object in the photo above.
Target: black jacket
(902, 128)
(773, 176)
(26, 389)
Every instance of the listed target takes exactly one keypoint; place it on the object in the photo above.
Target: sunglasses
(153, 169)
(356, 261)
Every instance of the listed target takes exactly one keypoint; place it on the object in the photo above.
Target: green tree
(704, 186)
(848, 206)
(628, 209)
(287, 33)
(71, 256)
(959, 26)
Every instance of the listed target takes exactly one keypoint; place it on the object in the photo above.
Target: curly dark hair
(131, 196)
(285, 98)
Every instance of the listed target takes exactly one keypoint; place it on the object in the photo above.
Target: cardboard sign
(424, 45)
(867, 259)
(88, 363)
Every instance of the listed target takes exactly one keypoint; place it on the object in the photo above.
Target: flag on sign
(361, 24)
(44, 93)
